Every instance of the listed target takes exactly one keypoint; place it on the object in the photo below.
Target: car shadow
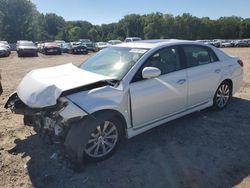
(203, 149)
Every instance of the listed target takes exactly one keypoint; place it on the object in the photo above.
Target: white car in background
(4, 50)
(123, 91)
(114, 42)
(132, 39)
(102, 45)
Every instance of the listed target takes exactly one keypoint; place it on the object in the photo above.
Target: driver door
(155, 99)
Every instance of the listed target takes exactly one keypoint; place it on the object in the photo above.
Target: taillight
(240, 63)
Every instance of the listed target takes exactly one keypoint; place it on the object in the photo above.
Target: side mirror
(150, 72)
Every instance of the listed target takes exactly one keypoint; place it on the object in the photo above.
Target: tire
(1, 88)
(7, 54)
(86, 140)
(222, 96)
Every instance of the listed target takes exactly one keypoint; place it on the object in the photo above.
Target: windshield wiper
(112, 82)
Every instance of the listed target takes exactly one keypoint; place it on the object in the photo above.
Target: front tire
(222, 96)
(94, 139)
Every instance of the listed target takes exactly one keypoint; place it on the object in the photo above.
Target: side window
(198, 55)
(213, 57)
(167, 60)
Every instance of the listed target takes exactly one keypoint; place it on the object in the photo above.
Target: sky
(108, 11)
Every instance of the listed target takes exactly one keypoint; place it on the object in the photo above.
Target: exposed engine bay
(53, 121)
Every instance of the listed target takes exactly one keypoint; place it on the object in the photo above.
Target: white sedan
(123, 91)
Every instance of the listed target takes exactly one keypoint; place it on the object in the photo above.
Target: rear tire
(222, 96)
(87, 140)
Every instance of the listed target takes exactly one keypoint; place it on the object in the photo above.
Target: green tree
(132, 26)
(229, 27)
(93, 34)
(19, 19)
(55, 26)
(154, 26)
(245, 28)
(16, 19)
(74, 33)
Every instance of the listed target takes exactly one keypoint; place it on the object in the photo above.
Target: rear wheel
(222, 96)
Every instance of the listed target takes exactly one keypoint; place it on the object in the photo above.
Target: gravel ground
(203, 149)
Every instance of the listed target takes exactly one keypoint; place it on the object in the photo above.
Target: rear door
(155, 99)
(204, 73)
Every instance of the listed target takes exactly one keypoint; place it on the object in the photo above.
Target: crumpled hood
(42, 87)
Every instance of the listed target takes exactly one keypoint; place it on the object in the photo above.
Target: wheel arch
(114, 113)
(229, 81)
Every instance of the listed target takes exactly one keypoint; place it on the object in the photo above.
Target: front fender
(104, 98)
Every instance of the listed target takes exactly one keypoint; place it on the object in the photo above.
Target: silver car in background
(4, 50)
(123, 91)
(26, 48)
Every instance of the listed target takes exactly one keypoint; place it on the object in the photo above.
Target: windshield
(114, 62)
(27, 44)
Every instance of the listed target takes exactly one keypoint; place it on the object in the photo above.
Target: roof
(154, 43)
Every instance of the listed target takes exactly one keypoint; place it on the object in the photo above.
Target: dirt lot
(204, 149)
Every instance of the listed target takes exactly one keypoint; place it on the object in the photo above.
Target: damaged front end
(53, 121)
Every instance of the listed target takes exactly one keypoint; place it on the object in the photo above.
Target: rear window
(198, 55)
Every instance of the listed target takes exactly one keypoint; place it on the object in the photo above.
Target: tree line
(19, 20)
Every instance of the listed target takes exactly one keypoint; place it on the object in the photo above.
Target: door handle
(217, 71)
(182, 81)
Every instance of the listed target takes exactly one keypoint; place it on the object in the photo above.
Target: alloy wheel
(223, 95)
(102, 141)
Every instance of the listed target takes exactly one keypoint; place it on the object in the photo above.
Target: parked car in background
(65, 47)
(77, 48)
(226, 43)
(101, 45)
(247, 40)
(241, 43)
(51, 48)
(20, 41)
(4, 50)
(132, 39)
(59, 42)
(26, 48)
(40, 47)
(5, 43)
(89, 44)
(114, 42)
(216, 43)
(12, 46)
(123, 91)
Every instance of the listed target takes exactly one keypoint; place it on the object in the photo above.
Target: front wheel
(102, 141)
(222, 96)
(94, 140)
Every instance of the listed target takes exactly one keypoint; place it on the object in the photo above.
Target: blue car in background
(65, 47)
